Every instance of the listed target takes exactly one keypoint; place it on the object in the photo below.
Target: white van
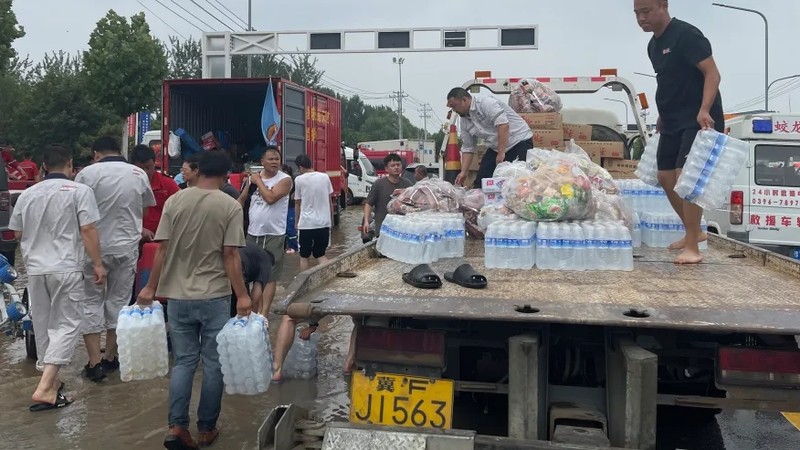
(361, 176)
(764, 206)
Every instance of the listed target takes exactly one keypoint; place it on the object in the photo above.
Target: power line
(212, 15)
(162, 20)
(224, 14)
(787, 87)
(233, 13)
(190, 13)
(182, 17)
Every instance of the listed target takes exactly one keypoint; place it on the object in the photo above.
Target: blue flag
(270, 118)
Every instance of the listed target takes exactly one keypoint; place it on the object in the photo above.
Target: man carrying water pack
(688, 100)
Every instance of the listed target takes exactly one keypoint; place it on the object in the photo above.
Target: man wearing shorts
(123, 193)
(313, 212)
(688, 100)
(267, 193)
(54, 221)
(257, 271)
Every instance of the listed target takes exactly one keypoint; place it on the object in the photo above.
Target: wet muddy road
(116, 415)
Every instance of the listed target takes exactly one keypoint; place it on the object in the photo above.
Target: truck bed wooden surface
(737, 288)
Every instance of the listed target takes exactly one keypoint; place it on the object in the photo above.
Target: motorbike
(15, 319)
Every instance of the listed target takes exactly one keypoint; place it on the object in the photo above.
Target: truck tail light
(8, 235)
(390, 345)
(5, 201)
(737, 208)
(759, 366)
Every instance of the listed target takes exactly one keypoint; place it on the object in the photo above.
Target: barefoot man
(688, 100)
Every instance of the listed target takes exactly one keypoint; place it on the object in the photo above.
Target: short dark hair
(303, 161)
(271, 148)
(142, 153)
(56, 156)
(421, 169)
(105, 144)
(214, 164)
(392, 157)
(192, 160)
(458, 93)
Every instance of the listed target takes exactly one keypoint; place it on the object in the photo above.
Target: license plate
(401, 401)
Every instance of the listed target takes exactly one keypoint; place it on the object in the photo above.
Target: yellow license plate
(401, 401)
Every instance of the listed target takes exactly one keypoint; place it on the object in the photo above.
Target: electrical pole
(424, 116)
(249, 28)
(400, 95)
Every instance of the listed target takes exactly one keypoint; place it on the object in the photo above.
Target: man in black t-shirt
(688, 100)
(257, 269)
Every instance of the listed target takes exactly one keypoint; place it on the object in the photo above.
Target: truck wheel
(10, 256)
(30, 337)
(344, 199)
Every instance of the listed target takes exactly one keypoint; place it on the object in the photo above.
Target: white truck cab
(361, 176)
(764, 206)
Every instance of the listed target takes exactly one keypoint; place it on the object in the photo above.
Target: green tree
(185, 58)
(56, 108)
(125, 65)
(10, 30)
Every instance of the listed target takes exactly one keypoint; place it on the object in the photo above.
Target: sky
(576, 38)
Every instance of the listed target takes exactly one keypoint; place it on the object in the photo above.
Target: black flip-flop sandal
(466, 276)
(61, 401)
(423, 277)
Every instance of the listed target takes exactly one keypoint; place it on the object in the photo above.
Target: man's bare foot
(348, 367)
(689, 257)
(277, 377)
(679, 245)
(48, 396)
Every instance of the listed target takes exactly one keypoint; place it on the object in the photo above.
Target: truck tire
(10, 256)
(30, 337)
(344, 198)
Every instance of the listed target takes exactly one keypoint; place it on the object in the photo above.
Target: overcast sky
(577, 38)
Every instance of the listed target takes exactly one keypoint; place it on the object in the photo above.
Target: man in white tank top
(268, 195)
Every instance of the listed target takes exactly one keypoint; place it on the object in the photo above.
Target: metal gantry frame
(219, 47)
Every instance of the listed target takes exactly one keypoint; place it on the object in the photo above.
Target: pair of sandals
(61, 401)
(423, 277)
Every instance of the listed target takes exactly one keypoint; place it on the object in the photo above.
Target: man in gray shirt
(123, 193)
(382, 191)
(54, 220)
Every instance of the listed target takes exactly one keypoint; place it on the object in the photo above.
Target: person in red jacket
(163, 187)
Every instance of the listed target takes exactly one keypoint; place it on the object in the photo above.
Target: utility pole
(424, 116)
(400, 95)
(249, 28)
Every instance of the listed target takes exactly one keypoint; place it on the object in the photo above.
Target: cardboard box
(620, 169)
(492, 185)
(603, 149)
(577, 132)
(543, 121)
(548, 138)
(493, 198)
(480, 150)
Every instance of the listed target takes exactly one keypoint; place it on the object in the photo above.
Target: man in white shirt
(508, 137)
(267, 194)
(54, 220)
(313, 212)
(123, 193)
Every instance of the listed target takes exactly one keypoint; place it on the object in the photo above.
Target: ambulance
(764, 205)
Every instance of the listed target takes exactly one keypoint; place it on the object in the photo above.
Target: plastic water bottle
(245, 355)
(490, 246)
(637, 231)
(647, 170)
(142, 339)
(713, 163)
(301, 361)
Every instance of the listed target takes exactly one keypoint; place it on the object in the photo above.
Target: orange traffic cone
(452, 155)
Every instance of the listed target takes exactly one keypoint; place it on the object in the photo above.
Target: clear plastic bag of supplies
(557, 190)
(494, 213)
(511, 169)
(427, 195)
(471, 204)
(598, 176)
(531, 96)
(647, 170)
(612, 207)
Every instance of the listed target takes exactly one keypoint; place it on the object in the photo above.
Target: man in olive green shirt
(197, 263)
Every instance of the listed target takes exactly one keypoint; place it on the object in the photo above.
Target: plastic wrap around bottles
(301, 362)
(422, 238)
(142, 340)
(647, 169)
(245, 355)
(713, 163)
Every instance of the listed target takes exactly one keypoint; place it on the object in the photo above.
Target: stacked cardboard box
(621, 169)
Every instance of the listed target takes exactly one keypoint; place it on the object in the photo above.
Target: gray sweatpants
(104, 302)
(56, 302)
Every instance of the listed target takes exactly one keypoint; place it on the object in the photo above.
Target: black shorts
(313, 242)
(673, 148)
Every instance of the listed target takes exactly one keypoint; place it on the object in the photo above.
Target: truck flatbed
(738, 288)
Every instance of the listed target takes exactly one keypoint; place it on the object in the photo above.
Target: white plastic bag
(647, 170)
(531, 96)
(245, 355)
(174, 146)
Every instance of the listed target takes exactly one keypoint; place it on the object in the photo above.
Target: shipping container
(311, 120)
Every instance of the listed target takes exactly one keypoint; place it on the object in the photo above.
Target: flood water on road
(120, 415)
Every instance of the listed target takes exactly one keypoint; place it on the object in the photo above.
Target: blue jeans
(193, 329)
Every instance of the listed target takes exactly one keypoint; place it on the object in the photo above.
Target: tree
(125, 65)
(185, 58)
(10, 30)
